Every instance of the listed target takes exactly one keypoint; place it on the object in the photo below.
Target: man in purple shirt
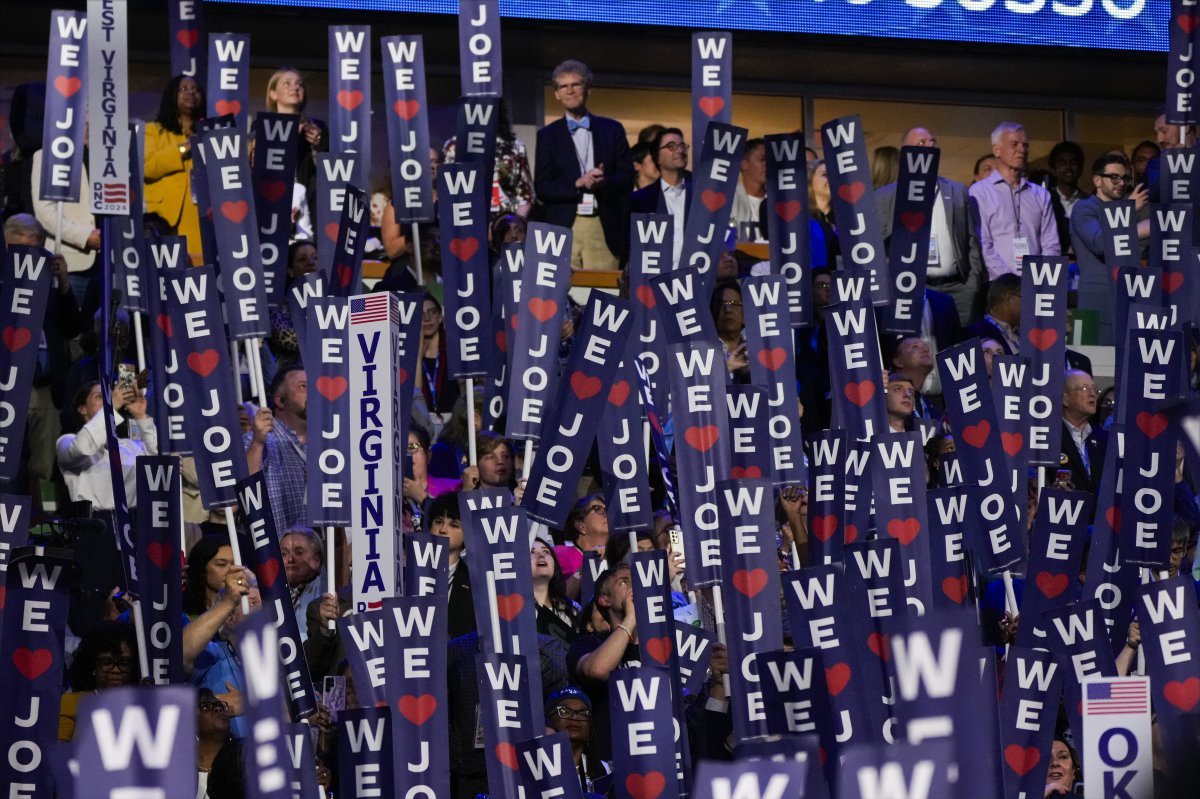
(1014, 217)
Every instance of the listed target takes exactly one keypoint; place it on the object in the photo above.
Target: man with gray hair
(583, 173)
(1013, 217)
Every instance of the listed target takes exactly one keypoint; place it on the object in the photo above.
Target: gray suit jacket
(968, 261)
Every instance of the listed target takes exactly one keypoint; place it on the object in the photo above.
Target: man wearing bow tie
(584, 174)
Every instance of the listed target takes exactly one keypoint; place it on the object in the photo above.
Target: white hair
(1005, 127)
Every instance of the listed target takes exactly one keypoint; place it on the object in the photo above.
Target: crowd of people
(589, 174)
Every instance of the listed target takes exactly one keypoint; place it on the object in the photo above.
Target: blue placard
(1108, 24)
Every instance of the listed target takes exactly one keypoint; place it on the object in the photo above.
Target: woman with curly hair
(168, 160)
(106, 658)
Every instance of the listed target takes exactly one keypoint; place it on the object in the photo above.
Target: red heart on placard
(513, 321)
(1043, 338)
(585, 386)
(224, 107)
(1113, 517)
(509, 605)
(3, 596)
(501, 341)
(713, 200)
(711, 106)
(851, 533)
(67, 86)
(750, 472)
(837, 677)
(772, 358)
(203, 363)
(749, 582)
(1012, 443)
(977, 434)
(268, 572)
(235, 211)
(1152, 424)
(860, 393)
(16, 337)
(506, 753)
(542, 309)
(159, 553)
(652, 418)
(904, 530)
(187, 37)
(955, 588)
(1183, 694)
(417, 709)
(406, 109)
(463, 249)
(701, 439)
(787, 210)
(645, 296)
(659, 648)
(344, 275)
(164, 324)
(349, 99)
(878, 643)
(646, 786)
(272, 190)
(912, 220)
(402, 376)
(1172, 282)
(1021, 760)
(331, 231)
(618, 393)
(1050, 584)
(823, 527)
(32, 663)
(852, 192)
(1187, 22)
(332, 387)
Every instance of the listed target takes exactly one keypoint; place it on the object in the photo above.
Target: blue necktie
(574, 125)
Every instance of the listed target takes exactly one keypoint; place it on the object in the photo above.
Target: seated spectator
(556, 612)
(569, 710)
(107, 657)
(303, 554)
(83, 455)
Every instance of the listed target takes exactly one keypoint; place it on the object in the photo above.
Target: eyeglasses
(214, 707)
(413, 446)
(114, 664)
(430, 313)
(564, 712)
(675, 145)
(598, 510)
(1092, 390)
(1115, 178)
(821, 285)
(731, 304)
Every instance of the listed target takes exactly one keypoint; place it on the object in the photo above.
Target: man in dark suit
(1082, 445)
(668, 194)
(1002, 321)
(584, 174)
(955, 265)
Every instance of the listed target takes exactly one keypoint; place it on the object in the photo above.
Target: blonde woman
(287, 94)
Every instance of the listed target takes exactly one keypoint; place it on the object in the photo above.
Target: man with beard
(277, 444)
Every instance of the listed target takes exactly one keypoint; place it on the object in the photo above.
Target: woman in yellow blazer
(169, 160)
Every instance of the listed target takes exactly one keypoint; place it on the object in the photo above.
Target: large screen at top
(1108, 24)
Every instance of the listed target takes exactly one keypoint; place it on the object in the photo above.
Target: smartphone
(126, 375)
(408, 465)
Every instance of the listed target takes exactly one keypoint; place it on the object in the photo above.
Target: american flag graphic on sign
(365, 310)
(1108, 698)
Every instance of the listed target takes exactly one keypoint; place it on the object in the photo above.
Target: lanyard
(1012, 195)
(431, 383)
